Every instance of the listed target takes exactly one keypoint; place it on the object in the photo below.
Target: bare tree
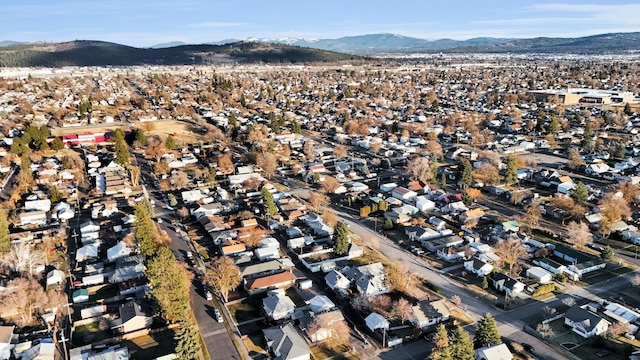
(510, 251)
(550, 311)
(579, 235)
(24, 258)
(318, 200)
(224, 275)
(381, 304)
(456, 300)
(360, 302)
(225, 164)
(574, 158)
(340, 151)
(308, 151)
(330, 184)
(420, 169)
(612, 209)
(569, 301)
(268, 162)
(618, 328)
(399, 277)
(545, 330)
(401, 309)
(24, 298)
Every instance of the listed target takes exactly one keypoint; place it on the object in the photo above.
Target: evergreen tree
(554, 126)
(169, 285)
(144, 230)
(268, 202)
(441, 350)
(587, 136)
(485, 283)
(466, 175)
(627, 110)
(25, 163)
(579, 194)
(461, 345)
(140, 137)
(188, 341)
(57, 144)
(55, 196)
(170, 142)
(619, 152)
(122, 151)
(486, 332)
(607, 253)
(5, 240)
(388, 224)
(19, 147)
(341, 238)
(468, 200)
(233, 119)
(511, 174)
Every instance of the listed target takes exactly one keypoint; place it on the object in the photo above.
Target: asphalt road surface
(216, 338)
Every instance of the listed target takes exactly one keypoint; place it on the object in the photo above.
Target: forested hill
(98, 53)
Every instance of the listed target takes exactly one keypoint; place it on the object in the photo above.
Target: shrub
(560, 277)
(544, 289)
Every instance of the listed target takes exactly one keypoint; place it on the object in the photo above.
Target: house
(270, 267)
(117, 251)
(493, 352)
(132, 318)
(337, 282)
(510, 286)
(585, 323)
(267, 253)
(80, 295)
(621, 313)
(376, 321)
(472, 215)
(418, 233)
(424, 204)
(319, 304)
(403, 194)
(232, 249)
(566, 187)
(436, 244)
(6, 334)
(89, 226)
(428, 313)
(539, 274)
(113, 352)
(37, 205)
(33, 218)
(128, 268)
(511, 226)
(55, 278)
(319, 327)
(597, 169)
(285, 343)
(44, 350)
(278, 306)
(452, 253)
(369, 279)
(578, 262)
(478, 267)
(192, 196)
(277, 281)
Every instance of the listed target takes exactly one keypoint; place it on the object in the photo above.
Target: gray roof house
(285, 343)
(132, 318)
(278, 306)
(585, 323)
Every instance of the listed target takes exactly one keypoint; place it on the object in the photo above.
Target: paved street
(510, 323)
(215, 335)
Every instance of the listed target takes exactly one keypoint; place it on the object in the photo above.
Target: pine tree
(5, 240)
(485, 283)
(170, 142)
(511, 175)
(55, 196)
(579, 194)
(486, 332)
(144, 230)
(188, 341)
(442, 350)
(268, 202)
(388, 224)
(341, 238)
(57, 144)
(461, 345)
(466, 176)
(122, 151)
(169, 285)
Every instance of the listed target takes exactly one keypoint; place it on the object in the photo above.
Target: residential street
(510, 323)
(215, 335)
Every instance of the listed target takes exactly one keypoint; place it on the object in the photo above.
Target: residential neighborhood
(359, 212)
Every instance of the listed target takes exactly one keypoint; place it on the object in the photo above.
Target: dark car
(528, 347)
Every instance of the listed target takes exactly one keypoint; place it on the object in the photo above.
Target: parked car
(207, 295)
(528, 348)
(218, 316)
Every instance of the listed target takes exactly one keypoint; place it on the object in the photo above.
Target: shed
(376, 321)
(55, 277)
(80, 295)
(539, 274)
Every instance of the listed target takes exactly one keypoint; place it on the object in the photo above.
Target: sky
(144, 23)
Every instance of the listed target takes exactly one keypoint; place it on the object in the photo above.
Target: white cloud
(614, 14)
(215, 24)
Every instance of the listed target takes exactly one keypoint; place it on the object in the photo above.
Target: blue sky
(144, 22)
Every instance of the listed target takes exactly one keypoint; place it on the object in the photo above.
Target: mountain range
(100, 53)
(394, 43)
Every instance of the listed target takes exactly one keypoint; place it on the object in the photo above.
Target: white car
(207, 295)
(218, 316)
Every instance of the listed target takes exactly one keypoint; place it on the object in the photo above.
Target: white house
(55, 277)
(493, 352)
(33, 218)
(278, 306)
(585, 323)
(117, 251)
(424, 204)
(566, 187)
(539, 274)
(404, 194)
(478, 267)
(428, 313)
(510, 286)
(285, 343)
(38, 205)
(376, 321)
